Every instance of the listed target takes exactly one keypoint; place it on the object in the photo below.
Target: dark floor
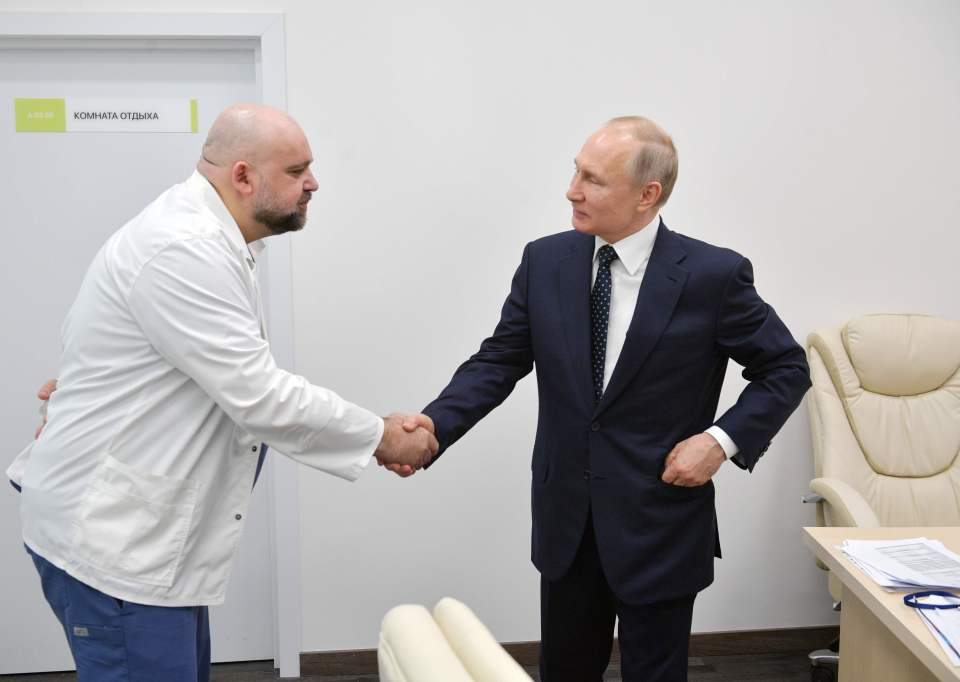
(759, 668)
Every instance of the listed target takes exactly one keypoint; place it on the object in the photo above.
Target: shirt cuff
(366, 451)
(730, 448)
(378, 436)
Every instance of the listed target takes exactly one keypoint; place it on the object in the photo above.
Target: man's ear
(240, 178)
(649, 196)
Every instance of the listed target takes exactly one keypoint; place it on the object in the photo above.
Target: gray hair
(657, 158)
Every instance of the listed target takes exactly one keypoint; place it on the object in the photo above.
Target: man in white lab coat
(135, 494)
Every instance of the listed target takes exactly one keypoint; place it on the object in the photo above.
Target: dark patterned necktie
(599, 316)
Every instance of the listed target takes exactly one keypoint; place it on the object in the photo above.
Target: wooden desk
(881, 638)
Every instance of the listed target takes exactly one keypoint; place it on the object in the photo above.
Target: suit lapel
(658, 296)
(573, 287)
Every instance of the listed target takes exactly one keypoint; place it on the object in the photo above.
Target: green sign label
(40, 115)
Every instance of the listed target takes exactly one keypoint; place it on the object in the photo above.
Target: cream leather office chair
(885, 420)
(452, 645)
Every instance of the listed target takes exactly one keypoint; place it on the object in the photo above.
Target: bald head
(247, 132)
(258, 159)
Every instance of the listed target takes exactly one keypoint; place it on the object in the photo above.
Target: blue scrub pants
(117, 641)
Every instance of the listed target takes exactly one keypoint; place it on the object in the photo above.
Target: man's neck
(644, 221)
(250, 230)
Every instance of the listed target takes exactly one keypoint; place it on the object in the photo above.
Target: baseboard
(784, 640)
(349, 662)
(779, 641)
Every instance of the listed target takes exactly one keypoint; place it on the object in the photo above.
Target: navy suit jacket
(697, 308)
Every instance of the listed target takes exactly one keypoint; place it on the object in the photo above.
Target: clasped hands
(408, 443)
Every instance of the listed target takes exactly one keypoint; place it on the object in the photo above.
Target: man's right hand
(44, 394)
(409, 450)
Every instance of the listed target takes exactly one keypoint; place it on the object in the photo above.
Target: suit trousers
(577, 616)
(118, 641)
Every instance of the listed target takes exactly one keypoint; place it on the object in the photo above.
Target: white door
(62, 195)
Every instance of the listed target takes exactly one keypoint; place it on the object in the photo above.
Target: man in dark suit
(630, 327)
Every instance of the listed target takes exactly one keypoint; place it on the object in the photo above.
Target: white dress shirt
(139, 484)
(626, 275)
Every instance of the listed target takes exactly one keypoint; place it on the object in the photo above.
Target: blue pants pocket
(100, 652)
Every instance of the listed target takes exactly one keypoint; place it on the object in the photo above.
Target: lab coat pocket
(133, 525)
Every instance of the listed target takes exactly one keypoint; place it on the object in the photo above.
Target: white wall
(818, 138)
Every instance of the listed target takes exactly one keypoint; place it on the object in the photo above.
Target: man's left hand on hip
(693, 461)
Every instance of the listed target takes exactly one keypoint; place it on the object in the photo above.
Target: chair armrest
(478, 650)
(413, 649)
(847, 506)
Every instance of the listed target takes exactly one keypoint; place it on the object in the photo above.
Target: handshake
(408, 443)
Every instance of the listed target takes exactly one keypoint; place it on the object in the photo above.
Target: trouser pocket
(100, 652)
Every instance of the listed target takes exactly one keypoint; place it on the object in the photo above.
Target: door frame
(266, 31)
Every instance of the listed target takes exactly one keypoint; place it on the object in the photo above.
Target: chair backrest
(885, 414)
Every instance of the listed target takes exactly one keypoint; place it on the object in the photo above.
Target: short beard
(268, 213)
(278, 222)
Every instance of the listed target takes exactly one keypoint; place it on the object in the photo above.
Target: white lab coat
(140, 482)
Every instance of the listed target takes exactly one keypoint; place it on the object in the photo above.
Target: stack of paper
(915, 564)
(911, 564)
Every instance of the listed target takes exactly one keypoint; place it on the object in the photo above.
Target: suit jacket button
(595, 426)
(586, 475)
